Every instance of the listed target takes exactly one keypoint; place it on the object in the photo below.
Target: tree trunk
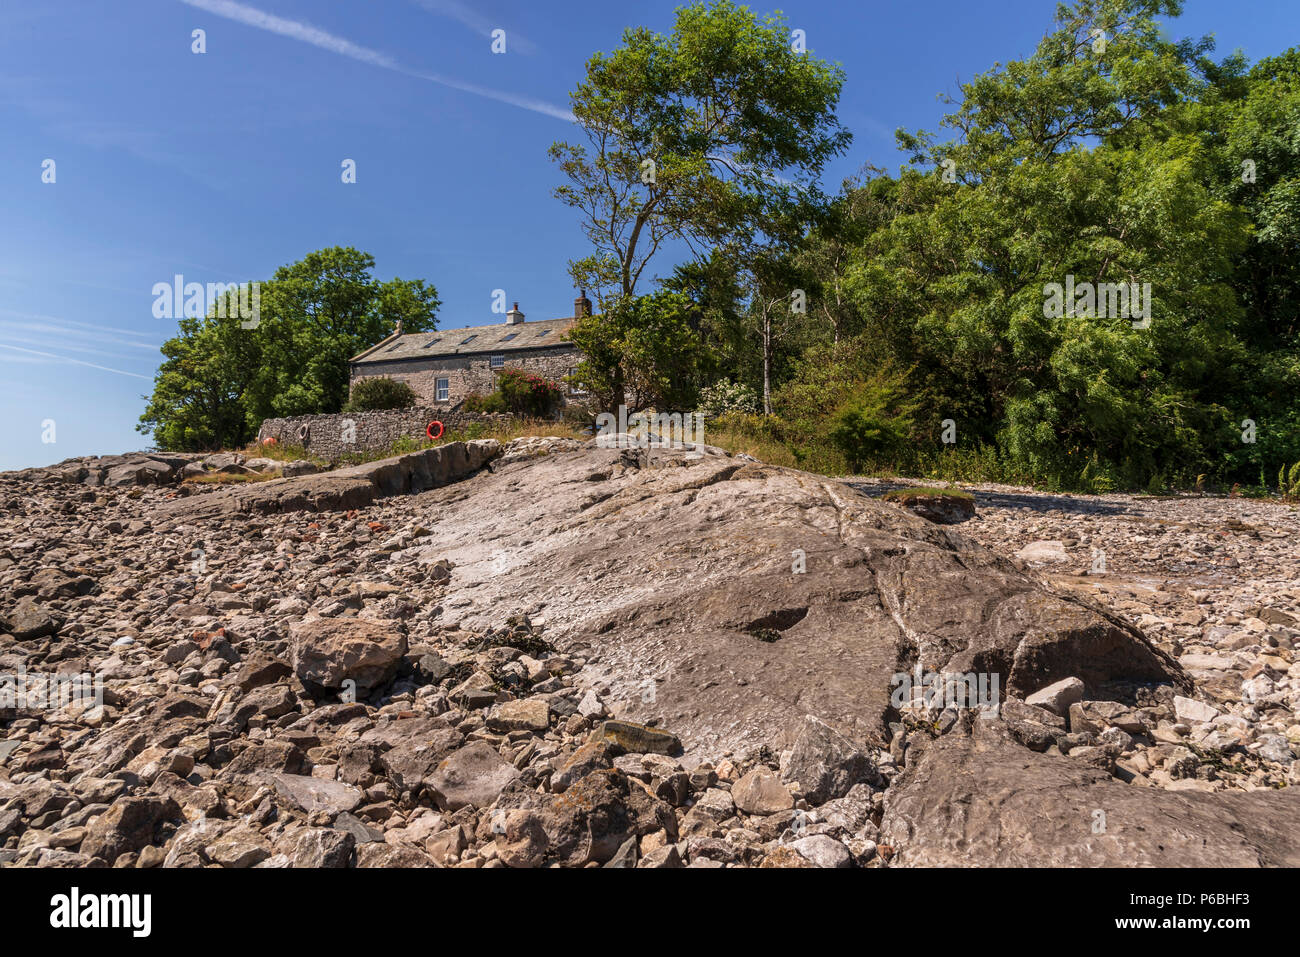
(618, 395)
(767, 361)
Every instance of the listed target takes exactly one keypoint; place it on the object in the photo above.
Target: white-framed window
(497, 362)
(442, 389)
(574, 388)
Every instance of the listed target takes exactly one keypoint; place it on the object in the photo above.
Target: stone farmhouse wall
(468, 374)
(334, 435)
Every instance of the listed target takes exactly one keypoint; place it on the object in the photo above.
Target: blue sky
(226, 165)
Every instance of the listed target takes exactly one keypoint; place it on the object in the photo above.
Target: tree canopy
(223, 374)
(1112, 160)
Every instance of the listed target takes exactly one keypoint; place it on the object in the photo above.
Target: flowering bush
(723, 397)
(526, 393)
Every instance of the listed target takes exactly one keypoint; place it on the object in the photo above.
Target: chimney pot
(514, 316)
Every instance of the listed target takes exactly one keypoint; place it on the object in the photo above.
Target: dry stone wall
(335, 435)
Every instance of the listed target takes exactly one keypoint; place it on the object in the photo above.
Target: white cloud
(306, 33)
(523, 102)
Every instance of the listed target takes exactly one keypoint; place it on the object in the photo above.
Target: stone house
(446, 365)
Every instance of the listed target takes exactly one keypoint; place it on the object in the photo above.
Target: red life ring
(429, 431)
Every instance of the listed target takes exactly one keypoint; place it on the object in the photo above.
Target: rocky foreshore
(554, 654)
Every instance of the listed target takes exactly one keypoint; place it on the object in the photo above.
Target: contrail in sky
(306, 33)
(51, 355)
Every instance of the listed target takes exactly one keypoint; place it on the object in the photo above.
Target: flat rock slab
(132, 468)
(1058, 697)
(982, 800)
(635, 738)
(939, 509)
(474, 775)
(308, 794)
(1043, 553)
(527, 714)
(679, 581)
(352, 487)
(761, 792)
(28, 620)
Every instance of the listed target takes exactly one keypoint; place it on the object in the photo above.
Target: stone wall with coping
(336, 434)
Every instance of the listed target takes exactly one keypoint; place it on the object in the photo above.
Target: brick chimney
(581, 305)
(514, 317)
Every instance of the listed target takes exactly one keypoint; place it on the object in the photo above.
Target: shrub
(1288, 481)
(723, 397)
(377, 394)
(875, 422)
(493, 402)
(526, 393)
(578, 417)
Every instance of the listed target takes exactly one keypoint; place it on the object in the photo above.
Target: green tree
(316, 314)
(709, 134)
(221, 377)
(1069, 164)
(642, 352)
(1251, 120)
(198, 398)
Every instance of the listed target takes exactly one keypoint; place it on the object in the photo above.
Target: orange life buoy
(429, 431)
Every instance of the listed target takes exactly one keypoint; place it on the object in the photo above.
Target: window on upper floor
(442, 389)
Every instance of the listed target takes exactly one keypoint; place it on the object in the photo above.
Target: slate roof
(497, 338)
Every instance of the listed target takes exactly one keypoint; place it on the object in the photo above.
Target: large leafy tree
(316, 314)
(220, 377)
(1076, 162)
(198, 398)
(712, 137)
(707, 135)
(1251, 121)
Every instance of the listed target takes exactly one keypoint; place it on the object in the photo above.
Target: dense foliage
(918, 321)
(1090, 278)
(379, 393)
(221, 376)
(520, 392)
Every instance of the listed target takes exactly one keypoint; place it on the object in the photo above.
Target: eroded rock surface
(982, 800)
(571, 654)
(345, 488)
(681, 575)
